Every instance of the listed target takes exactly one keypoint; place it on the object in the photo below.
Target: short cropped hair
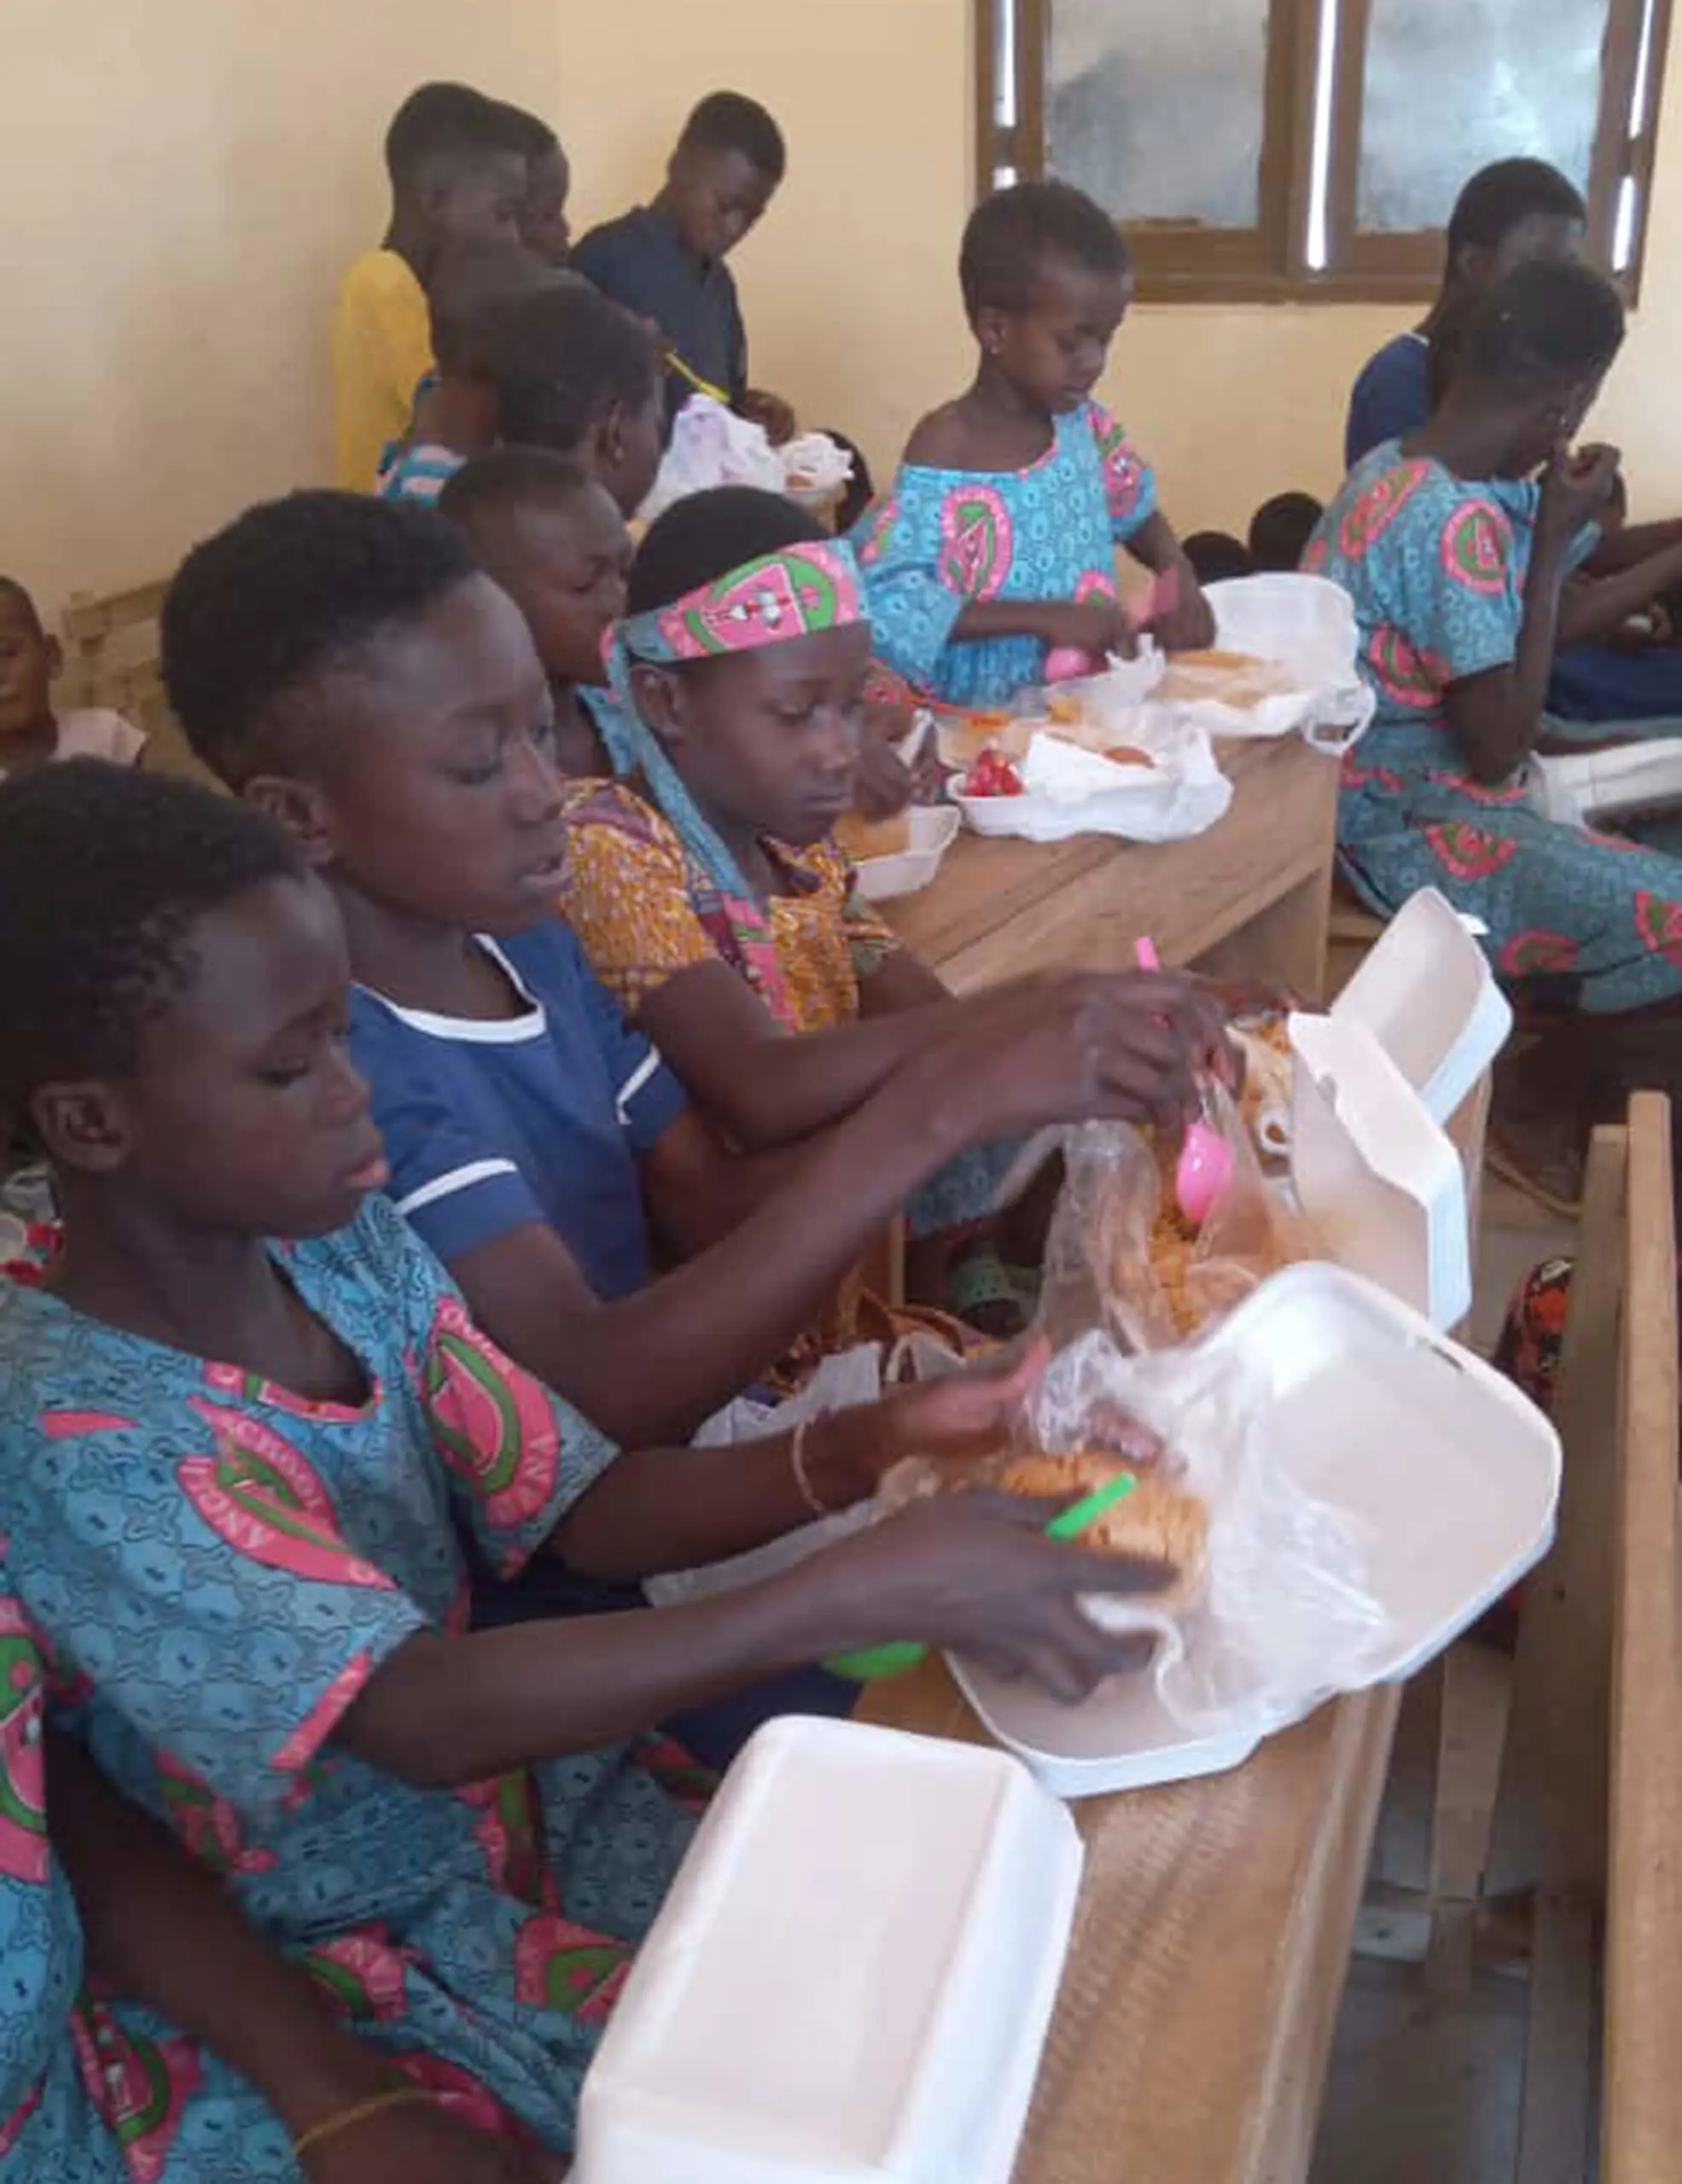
(705, 536)
(1548, 323)
(1500, 198)
(490, 487)
(473, 296)
(1281, 528)
(1011, 234)
(104, 872)
(568, 355)
(442, 127)
(725, 121)
(10, 587)
(288, 592)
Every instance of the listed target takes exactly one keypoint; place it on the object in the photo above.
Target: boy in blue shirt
(665, 261)
(1506, 215)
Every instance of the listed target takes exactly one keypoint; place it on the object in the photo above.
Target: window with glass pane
(1315, 147)
(1449, 87)
(1156, 107)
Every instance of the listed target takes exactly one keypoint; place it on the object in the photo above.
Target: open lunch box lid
(1449, 1476)
(1380, 1184)
(1427, 995)
(852, 1977)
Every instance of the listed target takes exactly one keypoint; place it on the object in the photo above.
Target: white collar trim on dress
(477, 1031)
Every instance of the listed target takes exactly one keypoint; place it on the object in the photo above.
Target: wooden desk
(1248, 898)
(1196, 2016)
(1197, 2011)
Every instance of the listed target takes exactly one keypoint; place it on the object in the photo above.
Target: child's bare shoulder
(944, 440)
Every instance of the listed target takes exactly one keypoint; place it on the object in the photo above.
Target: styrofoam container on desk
(1448, 1474)
(1378, 1180)
(933, 829)
(1306, 624)
(1069, 791)
(1428, 995)
(1579, 786)
(853, 1975)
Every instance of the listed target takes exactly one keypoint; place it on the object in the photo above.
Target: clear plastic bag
(1284, 1616)
(1120, 1257)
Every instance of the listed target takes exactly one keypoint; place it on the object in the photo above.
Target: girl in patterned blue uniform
(993, 552)
(1457, 563)
(232, 1473)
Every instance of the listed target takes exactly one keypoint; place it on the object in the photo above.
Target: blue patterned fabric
(218, 1568)
(944, 539)
(1435, 565)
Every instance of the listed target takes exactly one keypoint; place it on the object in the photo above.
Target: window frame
(1184, 262)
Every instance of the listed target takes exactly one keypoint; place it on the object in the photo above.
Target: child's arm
(651, 1366)
(160, 1930)
(1598, 607)
(1497, 714)
(1189, 624)
(1097, 627)
(972, 1571)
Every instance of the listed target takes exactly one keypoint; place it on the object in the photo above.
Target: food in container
(1156, 1521)
(862, 837)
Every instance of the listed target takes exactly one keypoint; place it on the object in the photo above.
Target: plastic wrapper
(1121, 1257)
(816, 470)
(1281, 1614)
(1285, 1614)
(710, 446)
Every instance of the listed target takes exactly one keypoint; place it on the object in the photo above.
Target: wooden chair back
(113, 653)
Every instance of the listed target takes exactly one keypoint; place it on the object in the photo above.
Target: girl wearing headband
(704, 884)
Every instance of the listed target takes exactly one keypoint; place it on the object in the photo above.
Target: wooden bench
(1588, 1822)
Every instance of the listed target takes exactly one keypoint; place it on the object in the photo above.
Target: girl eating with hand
(1456, 560)
(991, 562)
(244, 1416)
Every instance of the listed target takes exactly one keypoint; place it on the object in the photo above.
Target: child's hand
(1081, 1046)
(965, 1415)
(1575, 486)
(883, 785)
(1095, 627)
(974, 1570)
(425, 2145)
(771, 413)
(1189, 624)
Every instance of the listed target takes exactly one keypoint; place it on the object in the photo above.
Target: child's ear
(606, 441)
(299, 807)
(991, 327)
(85, 1126)
(55, 651)
(660, 700)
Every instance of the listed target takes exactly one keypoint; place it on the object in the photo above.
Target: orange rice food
(1157, 1522)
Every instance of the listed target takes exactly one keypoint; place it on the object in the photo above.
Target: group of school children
(506, 1077)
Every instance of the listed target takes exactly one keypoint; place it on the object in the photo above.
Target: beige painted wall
(181, 183)
(851, 285)
(182, 180)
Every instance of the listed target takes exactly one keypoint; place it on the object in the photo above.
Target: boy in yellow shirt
(458, 167)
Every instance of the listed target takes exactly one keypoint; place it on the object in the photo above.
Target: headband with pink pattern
(791, 594)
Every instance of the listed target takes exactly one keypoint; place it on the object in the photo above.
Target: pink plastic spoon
(1205, 1166)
